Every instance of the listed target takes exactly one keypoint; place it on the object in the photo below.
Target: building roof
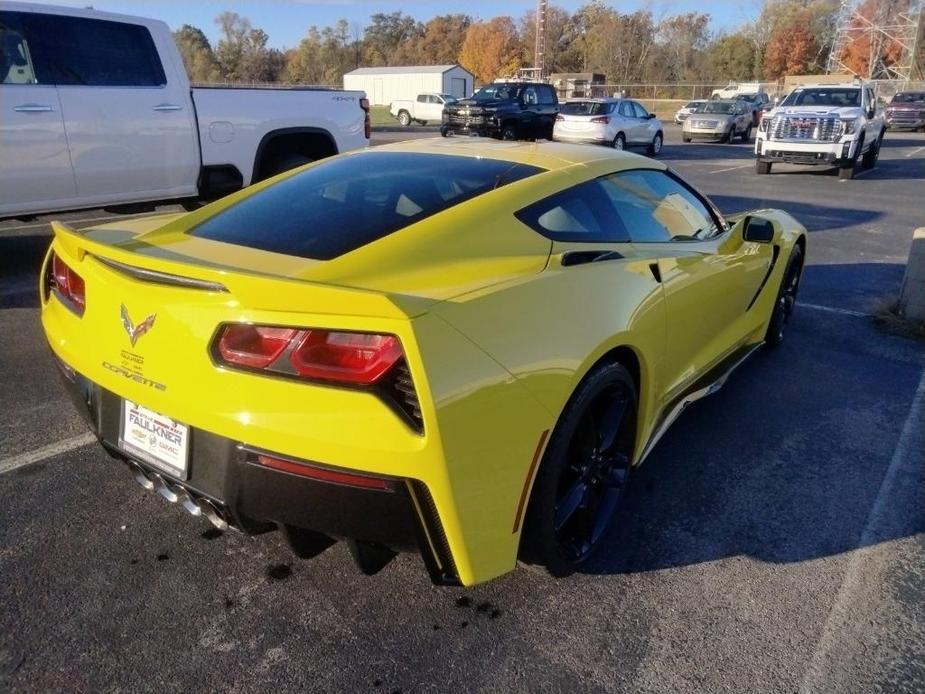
(403, 70)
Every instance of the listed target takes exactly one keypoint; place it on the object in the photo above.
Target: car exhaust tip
(210, 511)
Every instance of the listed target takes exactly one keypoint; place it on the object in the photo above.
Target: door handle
(32, 108)
(168, 107)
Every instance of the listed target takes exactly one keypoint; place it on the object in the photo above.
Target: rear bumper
(227, 484)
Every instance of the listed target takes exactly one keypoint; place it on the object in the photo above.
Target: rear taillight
(601, 119)
(66, 284)
(322, 474)
(365, 360)
(367, 123)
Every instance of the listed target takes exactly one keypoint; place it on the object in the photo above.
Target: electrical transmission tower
(894, 30)
(539, 51)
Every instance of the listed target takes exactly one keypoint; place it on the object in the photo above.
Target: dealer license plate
(155, 439)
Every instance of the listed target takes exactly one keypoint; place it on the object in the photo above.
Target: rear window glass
(587, 108)
(909, 97)
(342, 205)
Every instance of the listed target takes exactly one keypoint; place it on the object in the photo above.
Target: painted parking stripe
(733, 168)
(833, 309)
(45, 452)
(915, 151)
(904, 469)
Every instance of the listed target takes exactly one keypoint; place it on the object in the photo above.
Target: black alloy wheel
(509, 132)
(584, 473)
(786, 299)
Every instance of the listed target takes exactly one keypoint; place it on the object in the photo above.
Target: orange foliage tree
(491, 49)
(866, 44)
(791, 49)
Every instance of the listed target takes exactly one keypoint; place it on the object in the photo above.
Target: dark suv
(509, 110)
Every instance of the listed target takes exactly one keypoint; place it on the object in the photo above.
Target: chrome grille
(802, 128)
(697, 123)
(905, 116)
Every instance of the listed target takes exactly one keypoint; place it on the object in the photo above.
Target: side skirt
(706, 385)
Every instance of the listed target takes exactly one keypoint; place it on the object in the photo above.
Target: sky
(287, 22)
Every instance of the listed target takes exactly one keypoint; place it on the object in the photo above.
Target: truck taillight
(66, 284)
(367, 123)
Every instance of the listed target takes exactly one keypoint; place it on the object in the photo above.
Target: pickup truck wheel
(871, 156)
(284, 162)
(846, 173)
(404, 118)
(763, 167)
(619, 142)
(444, 131)
(509, 131)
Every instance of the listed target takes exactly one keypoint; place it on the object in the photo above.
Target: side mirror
(758, 230)
(651, 116)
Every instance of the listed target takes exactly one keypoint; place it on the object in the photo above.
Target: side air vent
(155, 277)
(400, 389)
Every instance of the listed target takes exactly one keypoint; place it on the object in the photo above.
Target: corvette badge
(136, 331)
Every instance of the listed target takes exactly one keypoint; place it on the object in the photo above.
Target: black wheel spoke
(610, 423)
(606, 506)
(615, 477)
(571, 501)
(586, 437)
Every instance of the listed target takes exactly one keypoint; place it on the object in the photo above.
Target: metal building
(383, 85)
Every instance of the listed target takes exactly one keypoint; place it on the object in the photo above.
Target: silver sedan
(721, 120)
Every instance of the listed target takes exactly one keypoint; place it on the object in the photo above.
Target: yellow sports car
(461, 348)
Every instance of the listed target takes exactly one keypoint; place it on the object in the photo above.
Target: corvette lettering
(131, 375)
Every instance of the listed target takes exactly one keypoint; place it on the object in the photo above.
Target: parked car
(756, 102)
(619, 123)
(906, 111)
(836, 125)
(457, 348)
(734, 89)
(426, 107)
(719, 120)
(509, 110)
(690, 107)
(96, 110)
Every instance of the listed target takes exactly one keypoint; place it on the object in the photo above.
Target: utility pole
(539, 52)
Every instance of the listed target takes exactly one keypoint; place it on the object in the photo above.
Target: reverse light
(601, 119)
(67, 284)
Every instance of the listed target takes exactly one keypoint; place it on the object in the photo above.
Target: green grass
(379, 116)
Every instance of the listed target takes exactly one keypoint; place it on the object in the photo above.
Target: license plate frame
(154, 438)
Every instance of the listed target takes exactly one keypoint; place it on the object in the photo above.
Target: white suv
(822, 124)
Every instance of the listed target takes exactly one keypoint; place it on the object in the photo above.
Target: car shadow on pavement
(785, 463)
(20, 263)
(813, 216)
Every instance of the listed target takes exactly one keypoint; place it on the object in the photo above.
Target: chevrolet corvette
(457, 348)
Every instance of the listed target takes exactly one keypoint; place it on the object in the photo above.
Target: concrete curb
(912, 294)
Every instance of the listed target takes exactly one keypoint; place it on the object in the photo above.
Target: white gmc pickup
(836, 125)
(96, 110)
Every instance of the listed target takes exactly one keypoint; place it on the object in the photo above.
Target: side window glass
(529, 96)
(581, 213)
(15, 56)
(94, 52)
(654, 208)
(640, 111)
(626, 110)
(547, 96)
(423, 98)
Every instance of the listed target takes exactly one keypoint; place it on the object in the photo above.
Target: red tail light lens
(252, 345)
(360, 358)
(68, 285)
(367, 123)
(601, 119)
(323, 474)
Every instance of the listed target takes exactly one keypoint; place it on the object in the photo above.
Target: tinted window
(423, 98)
(587, 108)
(653, 207)
(15, 55)
(344, 204)
(581, 213)
(495, 92)
(547, 96)
(908, 97)
(530, 97)
(74, 50)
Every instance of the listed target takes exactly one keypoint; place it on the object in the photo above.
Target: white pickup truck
(825, 125)
(96, 110)
(426, 107)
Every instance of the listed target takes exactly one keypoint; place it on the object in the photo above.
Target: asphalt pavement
(773, 541)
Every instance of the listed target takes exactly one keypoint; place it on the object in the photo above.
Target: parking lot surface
(774, 540)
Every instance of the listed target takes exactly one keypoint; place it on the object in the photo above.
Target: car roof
(552, 156)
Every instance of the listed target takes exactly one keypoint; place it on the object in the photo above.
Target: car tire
(786, 299)
(583, 474)
(404, 118)
(619, 141)
(731, 135)
(444, 131)
(655, 147)
(747, 135)
(763, 167)
(685, 139)
(869, 160)
(509, 132)
(846, 173)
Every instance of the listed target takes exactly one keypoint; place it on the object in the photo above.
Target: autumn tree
(242, 52)
(491, 49)
(791, 50)
(561, 53)
(730, 57)
(385, 34)
(869, 51)
(619, 45)
(323, 56)
(439, 43)
(198, 58)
